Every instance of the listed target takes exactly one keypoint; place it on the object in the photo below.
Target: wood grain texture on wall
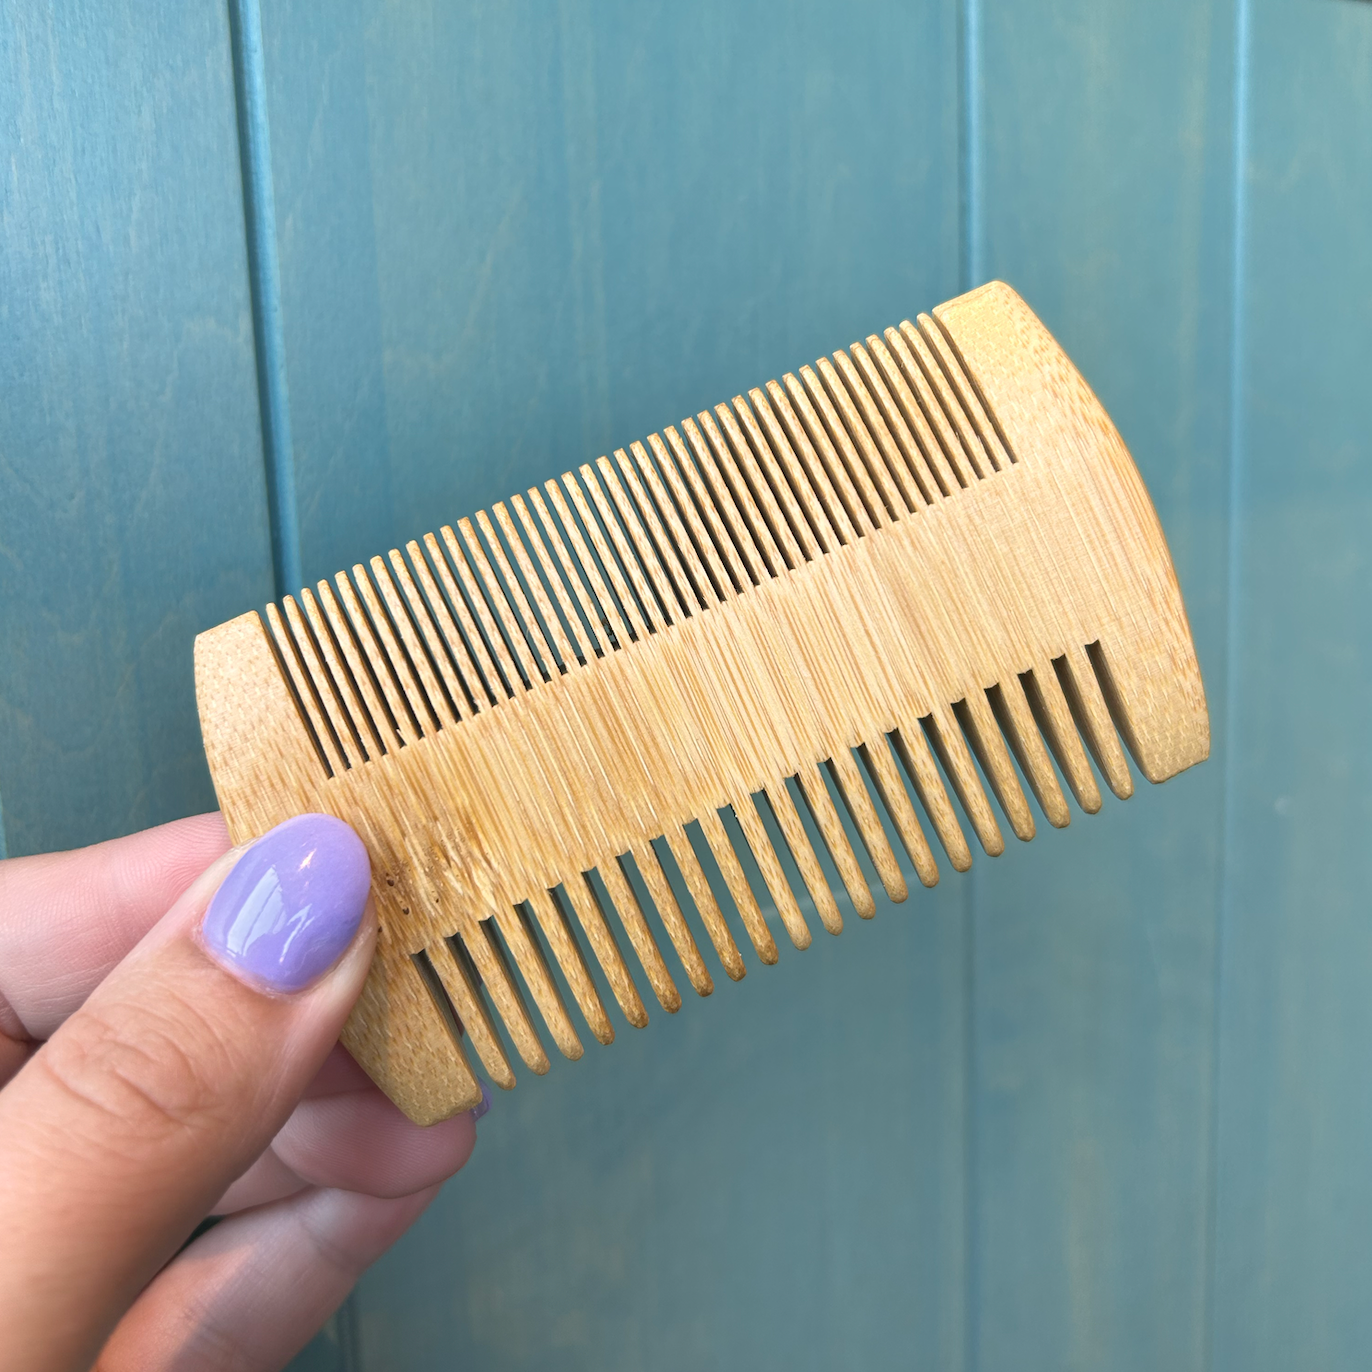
(1294, 1191)
(1105, 172)
(131, 498)
(514, 236)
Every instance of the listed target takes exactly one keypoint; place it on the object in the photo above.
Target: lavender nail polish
(291, 904)
(477, 1111)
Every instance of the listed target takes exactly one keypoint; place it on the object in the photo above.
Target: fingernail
(478, 1110)
(291, 904)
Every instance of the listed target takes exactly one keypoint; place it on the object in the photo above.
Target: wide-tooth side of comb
(816, 632)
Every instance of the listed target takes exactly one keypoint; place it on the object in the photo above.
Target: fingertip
(477, 1111)
(360, 1141)
(291, 905)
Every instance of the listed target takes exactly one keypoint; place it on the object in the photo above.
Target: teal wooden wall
(1103, 1103)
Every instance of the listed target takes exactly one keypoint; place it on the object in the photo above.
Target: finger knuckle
(140, 1070)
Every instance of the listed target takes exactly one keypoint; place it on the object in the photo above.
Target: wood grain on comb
(824, 618)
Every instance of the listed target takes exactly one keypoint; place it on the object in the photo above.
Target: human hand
(164, 1058)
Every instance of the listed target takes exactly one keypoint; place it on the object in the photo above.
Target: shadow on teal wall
(1103, 1103)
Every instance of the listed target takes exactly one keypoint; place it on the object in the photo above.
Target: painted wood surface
(131, 496)
(1294, 1193)
(1102, 1106)
(1104, 189)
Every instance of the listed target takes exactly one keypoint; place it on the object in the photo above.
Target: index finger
(66, 919)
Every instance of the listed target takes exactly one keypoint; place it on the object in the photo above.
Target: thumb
(120, 1132)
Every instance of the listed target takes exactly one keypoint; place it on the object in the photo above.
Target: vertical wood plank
(508, 239)
(1295, 1114)
(1102, 194)
(513, 240)
(132, 513)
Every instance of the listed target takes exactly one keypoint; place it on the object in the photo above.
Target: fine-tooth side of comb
(894, 602)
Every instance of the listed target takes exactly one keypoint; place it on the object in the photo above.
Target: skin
(144, 1087)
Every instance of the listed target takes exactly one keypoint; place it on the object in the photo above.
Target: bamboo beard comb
(839, 590)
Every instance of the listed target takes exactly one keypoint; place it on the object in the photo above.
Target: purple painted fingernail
(478, 1110)
(291, 904)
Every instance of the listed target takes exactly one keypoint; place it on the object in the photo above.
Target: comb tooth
(449, 963)
(973, 448)
(427, 700)
(522, 628)
(506, 680)
(871, 487)
(604, 611)
(913, 751)
(770, 866)
(691, 538)
(1079, 685)
(788, 437)
(945, 733)
(577, 650)
(732, 870)
(694, 876)
(979, 725)
(943, 348)
(893, 497)
(382, 669)
(965, 379)
(782, 537)
(885, 423)
(530, 670)
(567, 951)
(533, 629)
(370, 740)
(417, 614)
(903, 350)
(741, 426)
(473, 671)
(801, 466)
(344, 733)
(668, 597)
(844, 771)
(640, 935)
(585, 626)
(1054, 717)
(602, 551)
(528, 957)
(882, 768)
(591, 917)
(655, 612)
(384, 729)
(674, 548)
(660, 890)
(825, 816)
(445, 1036)
(1016, 720)
(811, 873)
(858, 502)
(736, 541)
(489, 958)
(562, 645)
(761, 534)
(700, 511)
(307, 690)
(903, 412)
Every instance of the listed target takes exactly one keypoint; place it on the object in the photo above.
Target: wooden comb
(836, 592)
